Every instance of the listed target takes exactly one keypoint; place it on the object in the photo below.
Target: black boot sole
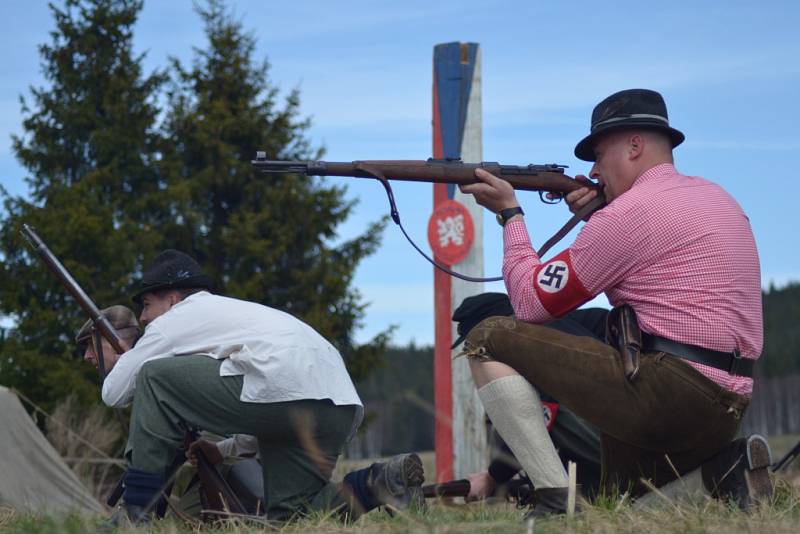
(413, 472)
(759, 459)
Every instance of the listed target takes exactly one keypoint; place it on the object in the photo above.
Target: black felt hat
(172, 269)
(632, 108)
(475, 309)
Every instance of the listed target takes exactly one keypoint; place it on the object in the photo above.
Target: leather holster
(623, 333)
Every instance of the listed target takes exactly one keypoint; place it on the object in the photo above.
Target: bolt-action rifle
(548, 180)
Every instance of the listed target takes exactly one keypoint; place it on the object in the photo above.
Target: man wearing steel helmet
(233, 367)
(676, 256)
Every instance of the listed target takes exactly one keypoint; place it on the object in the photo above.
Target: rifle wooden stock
(215, 493)
(90, 308)
(547, 178)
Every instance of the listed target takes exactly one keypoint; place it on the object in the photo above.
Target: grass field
(782, 514)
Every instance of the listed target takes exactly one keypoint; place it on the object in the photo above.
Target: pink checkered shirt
(678, 249)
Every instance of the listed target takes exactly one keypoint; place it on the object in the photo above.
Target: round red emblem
(450, 232)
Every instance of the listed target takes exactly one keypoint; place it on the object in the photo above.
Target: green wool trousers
(299, 441)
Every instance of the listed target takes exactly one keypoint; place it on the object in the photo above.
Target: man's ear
(636, 143)
(174, 298)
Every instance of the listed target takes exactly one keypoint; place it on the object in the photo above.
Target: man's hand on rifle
(491, 192)
(580, 197)
(481, 486)
(209, 449)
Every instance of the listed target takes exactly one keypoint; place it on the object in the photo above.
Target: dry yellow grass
(781, 515)
(86, 438)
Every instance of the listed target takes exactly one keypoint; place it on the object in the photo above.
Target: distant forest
(781, 354)
(399, 395)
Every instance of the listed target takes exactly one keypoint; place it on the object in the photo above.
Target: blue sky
(729, 71)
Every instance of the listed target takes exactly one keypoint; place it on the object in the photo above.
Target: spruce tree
(88, 145)
(781, 355)
(264, 238)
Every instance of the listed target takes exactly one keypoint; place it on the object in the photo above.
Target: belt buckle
(736, 360)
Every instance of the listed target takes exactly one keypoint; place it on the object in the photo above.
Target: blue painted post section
(454, 84)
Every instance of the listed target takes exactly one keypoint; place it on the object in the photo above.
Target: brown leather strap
(593, 205)
(730, 362)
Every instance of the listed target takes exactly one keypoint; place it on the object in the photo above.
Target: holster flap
(623, 333)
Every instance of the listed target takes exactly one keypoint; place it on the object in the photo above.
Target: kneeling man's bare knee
(479, 343)
(485, 371)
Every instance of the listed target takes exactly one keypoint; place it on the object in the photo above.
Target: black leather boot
(128, 514)
(739, 473)
(550, 501)
(141, 489)
(396, 482)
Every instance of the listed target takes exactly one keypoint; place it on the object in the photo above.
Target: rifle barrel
(74, 289)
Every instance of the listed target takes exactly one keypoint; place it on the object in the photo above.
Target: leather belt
(730, 362)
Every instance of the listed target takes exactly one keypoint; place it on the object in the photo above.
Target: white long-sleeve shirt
(281, 357)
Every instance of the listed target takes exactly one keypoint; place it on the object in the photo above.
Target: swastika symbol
(553, 276)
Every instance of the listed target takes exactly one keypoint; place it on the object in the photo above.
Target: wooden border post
(461, 445)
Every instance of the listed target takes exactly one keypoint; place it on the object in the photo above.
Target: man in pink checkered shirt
(675, 255)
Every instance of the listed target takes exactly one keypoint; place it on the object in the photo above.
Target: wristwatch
(504, 215)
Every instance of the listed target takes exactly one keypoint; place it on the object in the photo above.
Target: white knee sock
(515, 409)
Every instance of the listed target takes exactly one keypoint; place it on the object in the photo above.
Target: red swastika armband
(550, 413)
(557, 285)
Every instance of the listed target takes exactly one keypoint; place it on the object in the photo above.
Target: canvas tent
(33, 477)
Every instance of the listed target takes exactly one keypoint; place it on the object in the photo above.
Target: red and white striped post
(460, 435)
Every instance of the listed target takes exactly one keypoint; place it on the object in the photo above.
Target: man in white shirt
(235, 367)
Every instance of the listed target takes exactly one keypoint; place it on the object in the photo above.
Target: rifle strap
(593, 205)
(97, 340)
